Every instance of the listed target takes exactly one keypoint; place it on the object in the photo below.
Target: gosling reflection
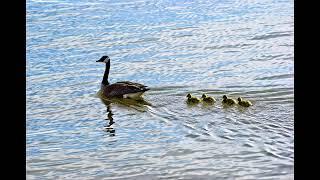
(109, 127)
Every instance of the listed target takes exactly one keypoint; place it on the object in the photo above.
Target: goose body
(244, 103)
(124, 89)
(192, 99)
(228, 101)
(207, 99)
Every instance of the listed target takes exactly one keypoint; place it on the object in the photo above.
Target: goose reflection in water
(136, 104)
(108, 128)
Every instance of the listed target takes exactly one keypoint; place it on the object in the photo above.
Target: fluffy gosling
(244, 103)
(228, 101)
(192, 99)
(207, 99)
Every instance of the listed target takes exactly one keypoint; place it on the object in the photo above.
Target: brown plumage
(120, 89)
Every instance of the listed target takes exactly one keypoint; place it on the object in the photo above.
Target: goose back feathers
(124, 89)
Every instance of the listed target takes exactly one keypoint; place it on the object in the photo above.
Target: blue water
(234, 47)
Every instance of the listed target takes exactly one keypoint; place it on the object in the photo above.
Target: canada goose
(192, 99)
(207, 98)
(228, 101)
(244, 103)
(123, 89)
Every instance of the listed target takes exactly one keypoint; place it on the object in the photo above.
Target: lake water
(233, 47)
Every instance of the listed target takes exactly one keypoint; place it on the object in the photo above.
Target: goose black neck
(106, 74)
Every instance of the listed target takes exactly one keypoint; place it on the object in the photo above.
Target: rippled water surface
(234, 47)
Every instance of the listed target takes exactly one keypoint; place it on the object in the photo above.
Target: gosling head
(224, 97)
(204, 96)
(239, 99)
(189, 95)
(104, 59)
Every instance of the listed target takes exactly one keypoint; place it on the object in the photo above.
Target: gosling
(244, 103)
(207, 99)
(228, 101)
(192, 99)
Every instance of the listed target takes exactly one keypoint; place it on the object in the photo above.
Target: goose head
(188, 95)
(239, 99)
(104, 59)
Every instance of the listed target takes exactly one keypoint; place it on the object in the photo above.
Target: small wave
(271, 35)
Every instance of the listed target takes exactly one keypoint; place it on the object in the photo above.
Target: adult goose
(122, 89)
